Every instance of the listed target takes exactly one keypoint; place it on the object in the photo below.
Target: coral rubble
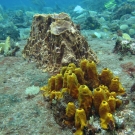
(55, 41)
(125, 46)
(73, 101)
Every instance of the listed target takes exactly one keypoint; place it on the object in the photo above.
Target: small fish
(114, 38)
(131, 75)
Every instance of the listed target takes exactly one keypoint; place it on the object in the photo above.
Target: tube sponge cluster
(88, 89)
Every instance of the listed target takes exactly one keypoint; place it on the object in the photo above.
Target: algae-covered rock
(125, 47)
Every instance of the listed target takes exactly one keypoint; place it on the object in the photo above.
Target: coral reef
(73, 98)
(18, 17)
(9, 30)
(54, 41)
(94, 6)
(126, 8)
(90, 23)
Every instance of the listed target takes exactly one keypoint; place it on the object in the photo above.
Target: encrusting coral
(75, 100)
(55, 41)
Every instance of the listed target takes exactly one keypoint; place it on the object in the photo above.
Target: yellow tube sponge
(98, 97)
(104, 109)
(85, 99)
(78, 132)
(58, 82)
(107, 121)
(80, 75)
(67, 72)
(83, 64)
(55, 95)
(45, 91)
(63, 69)
(106, 77)
(116, 86)
(106, 117)
(71, 66)
(106, 90)
(92, 74)
(70, 110)
(72, 85)
(113, 94)
(112, 103)
(80, 119)
(51, 83)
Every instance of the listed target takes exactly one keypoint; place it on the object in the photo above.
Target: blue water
(30, 3)
(17, 14)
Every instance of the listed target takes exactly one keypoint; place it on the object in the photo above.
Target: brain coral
(55, 41)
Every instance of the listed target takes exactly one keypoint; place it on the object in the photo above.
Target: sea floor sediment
(20, 115)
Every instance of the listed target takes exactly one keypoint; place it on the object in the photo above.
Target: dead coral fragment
(124, 47)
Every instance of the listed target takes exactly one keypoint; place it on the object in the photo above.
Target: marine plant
(5, 46)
